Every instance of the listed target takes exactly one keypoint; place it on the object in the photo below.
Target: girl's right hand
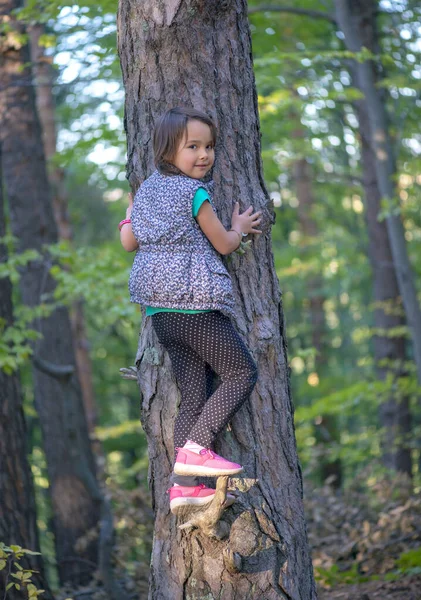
(130, 207)
(247, 221)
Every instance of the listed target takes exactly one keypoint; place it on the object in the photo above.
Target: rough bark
(353, 17)
(199, 54)
(43, 82)
(326, 428)
(17, 498)
(58, 400)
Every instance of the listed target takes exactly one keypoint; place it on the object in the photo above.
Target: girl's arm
(222, 240)
(127, 239)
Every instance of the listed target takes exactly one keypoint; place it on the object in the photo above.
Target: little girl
(179, 277)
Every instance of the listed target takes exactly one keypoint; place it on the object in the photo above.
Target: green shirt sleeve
(200, 196)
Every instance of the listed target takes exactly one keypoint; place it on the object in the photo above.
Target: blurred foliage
(16, 576)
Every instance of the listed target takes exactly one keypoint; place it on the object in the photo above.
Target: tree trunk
(199, 54)
(353, 18)
(389, 351)
(394, 415)
(74, 491)
(43, 76)
(17, 499)
(326, 428)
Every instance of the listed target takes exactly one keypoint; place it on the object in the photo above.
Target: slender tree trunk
(74, 491)
(389, 350)
(326, 428)
(354, 17)
(17, 498)
(394, 415)
(199, 54)
(43, 78)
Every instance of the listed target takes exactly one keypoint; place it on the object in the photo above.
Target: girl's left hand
(130, 207)
(247, 221)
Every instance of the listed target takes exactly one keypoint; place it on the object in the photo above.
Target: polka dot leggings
(201, 345)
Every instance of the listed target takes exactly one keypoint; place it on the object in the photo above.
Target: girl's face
(195, 155)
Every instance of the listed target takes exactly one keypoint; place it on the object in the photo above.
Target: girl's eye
(192, 146)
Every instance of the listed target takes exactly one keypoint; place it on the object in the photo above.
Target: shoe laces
(208, 451)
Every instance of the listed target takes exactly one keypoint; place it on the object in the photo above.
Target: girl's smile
(195, 155)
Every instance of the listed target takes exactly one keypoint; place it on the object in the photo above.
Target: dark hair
(170, 130)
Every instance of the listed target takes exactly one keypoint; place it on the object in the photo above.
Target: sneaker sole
(178, 502)
(182, 469)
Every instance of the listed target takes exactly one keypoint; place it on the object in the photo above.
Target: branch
(56, 371)
(314, 14)
(208, 520)
(129, 373)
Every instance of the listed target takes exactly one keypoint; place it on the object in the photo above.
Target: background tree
(74, 492)
(43, 83)
(353, 18)
(17, 506)
(267, 526)
(387, 346)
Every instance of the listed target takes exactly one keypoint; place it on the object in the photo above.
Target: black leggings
(201, 345)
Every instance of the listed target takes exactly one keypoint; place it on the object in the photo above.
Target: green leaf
(18, 575)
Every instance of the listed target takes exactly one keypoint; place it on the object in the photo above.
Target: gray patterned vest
(175, 266)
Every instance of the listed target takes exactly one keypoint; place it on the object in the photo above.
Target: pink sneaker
(205, 463)
(181, 495)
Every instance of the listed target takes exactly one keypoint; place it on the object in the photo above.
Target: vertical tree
(74, 492)
(389, 349)
(17, 499)
(43, 80)
(326, 429)
(199, 54)
(354, 18)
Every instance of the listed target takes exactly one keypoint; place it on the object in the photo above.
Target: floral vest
(175, 266)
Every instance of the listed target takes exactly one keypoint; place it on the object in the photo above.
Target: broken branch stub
(208, 519)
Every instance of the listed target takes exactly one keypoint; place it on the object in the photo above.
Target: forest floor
(407, 588)
(366, 542)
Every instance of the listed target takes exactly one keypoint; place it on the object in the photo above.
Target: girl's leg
(212, 339)
(194, 378)
(219, 344)
(190, 372)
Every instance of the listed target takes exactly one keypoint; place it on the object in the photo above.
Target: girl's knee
(249, 375)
